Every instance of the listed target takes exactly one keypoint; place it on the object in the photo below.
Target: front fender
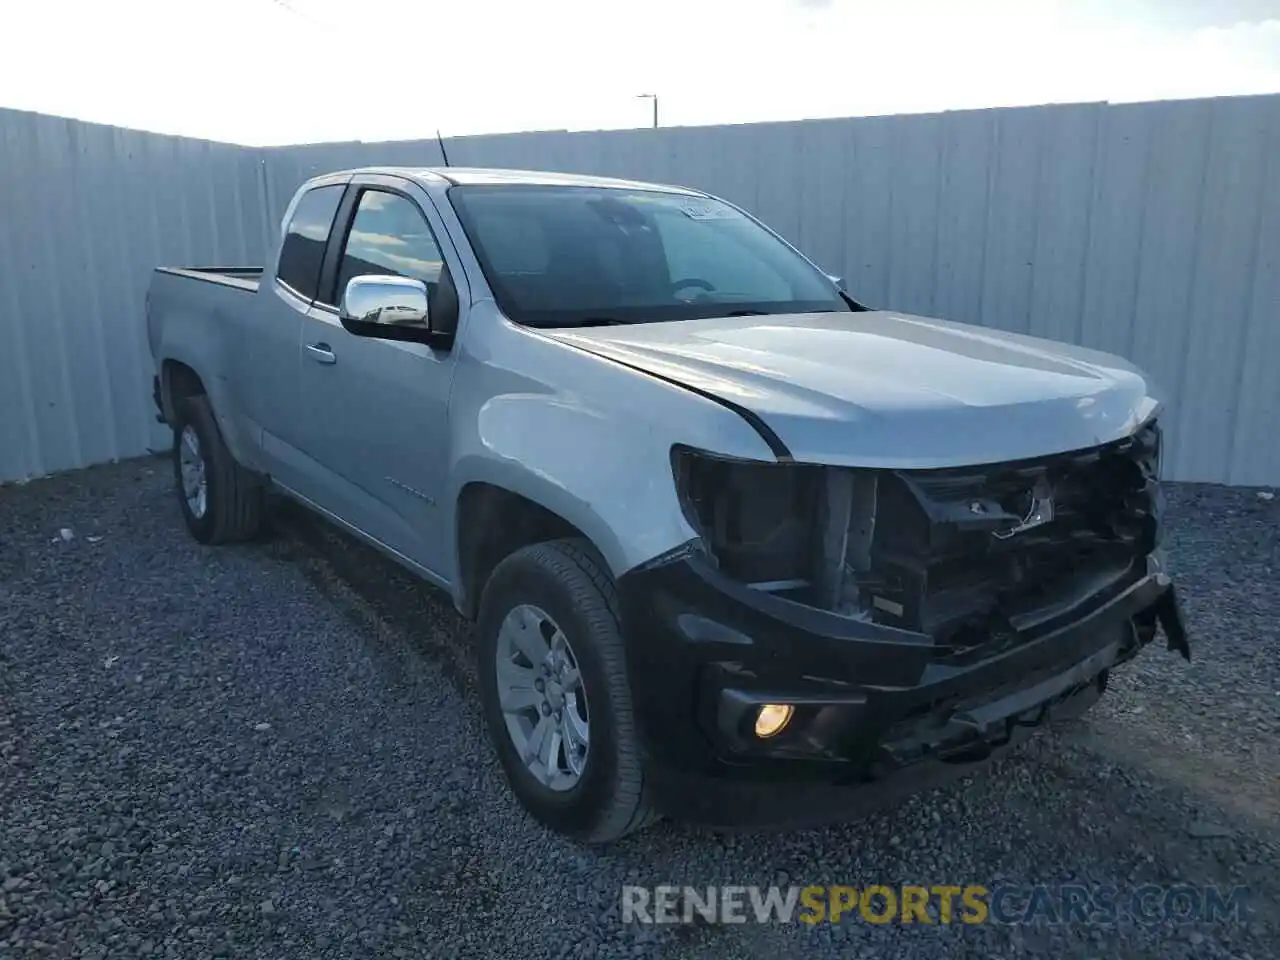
(580, 435)
(609, 479)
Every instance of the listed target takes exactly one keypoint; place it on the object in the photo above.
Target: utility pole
(654, 98)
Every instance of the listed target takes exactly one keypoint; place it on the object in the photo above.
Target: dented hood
(882, 389)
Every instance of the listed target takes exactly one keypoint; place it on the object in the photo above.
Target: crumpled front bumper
(876, 715)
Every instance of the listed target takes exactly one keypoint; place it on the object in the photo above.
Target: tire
(564, 579)
(232, 506)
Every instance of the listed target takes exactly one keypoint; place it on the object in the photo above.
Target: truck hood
(881, 389)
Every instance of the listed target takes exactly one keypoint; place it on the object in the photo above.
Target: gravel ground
(273, 750)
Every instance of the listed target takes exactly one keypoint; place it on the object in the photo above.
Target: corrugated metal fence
(86, 211)
(1149, 230)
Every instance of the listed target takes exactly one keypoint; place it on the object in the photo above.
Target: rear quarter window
(302, 249)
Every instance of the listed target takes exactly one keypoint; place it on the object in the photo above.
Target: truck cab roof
(484, 176)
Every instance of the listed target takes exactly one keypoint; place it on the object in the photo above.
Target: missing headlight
(757, 519)
(799, 531)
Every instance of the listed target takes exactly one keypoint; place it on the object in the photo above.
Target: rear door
(284, 298)
(377, 410)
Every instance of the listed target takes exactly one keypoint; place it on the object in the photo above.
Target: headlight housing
(755, 518)
(797, 530)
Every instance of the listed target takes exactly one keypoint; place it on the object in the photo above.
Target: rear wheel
(221, 501)
(554, 687)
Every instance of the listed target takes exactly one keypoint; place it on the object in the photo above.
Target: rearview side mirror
(387, 308)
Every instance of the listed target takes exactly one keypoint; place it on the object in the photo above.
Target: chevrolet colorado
(738, 548)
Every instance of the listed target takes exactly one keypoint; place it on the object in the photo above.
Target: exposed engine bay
(976, 557)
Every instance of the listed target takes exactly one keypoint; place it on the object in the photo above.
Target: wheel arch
(177, 382)
(493, 522)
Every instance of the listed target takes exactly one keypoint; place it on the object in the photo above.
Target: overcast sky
(293, 71)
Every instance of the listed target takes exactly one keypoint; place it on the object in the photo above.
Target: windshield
(562, 256)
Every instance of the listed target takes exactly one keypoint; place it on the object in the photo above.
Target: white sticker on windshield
(696, 210)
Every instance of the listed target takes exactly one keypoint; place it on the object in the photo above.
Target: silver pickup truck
(738, 548)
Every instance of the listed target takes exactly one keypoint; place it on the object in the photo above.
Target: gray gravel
(273, 750)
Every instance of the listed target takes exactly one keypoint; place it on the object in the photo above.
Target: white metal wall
(1150, 230)
(85, 212)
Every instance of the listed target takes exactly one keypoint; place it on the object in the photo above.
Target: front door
(377, 410)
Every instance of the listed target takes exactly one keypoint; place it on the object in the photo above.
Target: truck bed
(243, 278)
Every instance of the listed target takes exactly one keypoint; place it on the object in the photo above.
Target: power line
(285, 5)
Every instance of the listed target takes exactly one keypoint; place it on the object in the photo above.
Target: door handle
(321, 353)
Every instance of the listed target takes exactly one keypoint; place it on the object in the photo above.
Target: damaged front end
(978, 559)
(891, 616)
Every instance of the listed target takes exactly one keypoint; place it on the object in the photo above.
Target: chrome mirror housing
(385, 301)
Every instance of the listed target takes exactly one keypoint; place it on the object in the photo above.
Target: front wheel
(553, 682)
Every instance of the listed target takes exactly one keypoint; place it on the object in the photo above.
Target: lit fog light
(772, 718)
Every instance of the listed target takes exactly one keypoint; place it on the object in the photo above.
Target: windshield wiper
(765, 313)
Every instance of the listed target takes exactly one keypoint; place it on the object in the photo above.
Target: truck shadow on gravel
(411, 625)
(404, 617)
